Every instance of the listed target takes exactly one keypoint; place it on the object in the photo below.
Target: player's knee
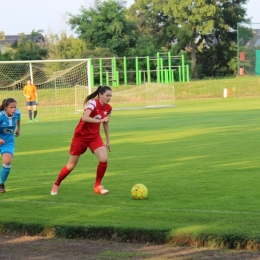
(7, 160)
(103, 159)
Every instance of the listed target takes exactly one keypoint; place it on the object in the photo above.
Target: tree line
(205, 31)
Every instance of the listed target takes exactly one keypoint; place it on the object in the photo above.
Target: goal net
(147, 95)
(62, 85)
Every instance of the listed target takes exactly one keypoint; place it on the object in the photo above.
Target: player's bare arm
(106, 130)
(17, 132)
(86, 118)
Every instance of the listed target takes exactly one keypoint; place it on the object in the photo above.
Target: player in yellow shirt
(30, 92)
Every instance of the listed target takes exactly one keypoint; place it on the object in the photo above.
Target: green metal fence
(115, 71)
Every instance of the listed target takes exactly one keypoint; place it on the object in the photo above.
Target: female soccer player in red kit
(87, 135)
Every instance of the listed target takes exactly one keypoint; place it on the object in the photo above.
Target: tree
(28, 49)
(152, 23)
(5, 51)
(205, 23)
(65, 47)
(2, 35)
(6, 55)
(105, 26)
(201, 27)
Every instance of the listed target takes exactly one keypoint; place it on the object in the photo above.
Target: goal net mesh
(147, 95)
(62, 87)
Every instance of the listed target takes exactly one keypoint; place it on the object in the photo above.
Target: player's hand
(17, 133)
(105, 119)
(108, 146)
(28, 96)
(2, 141)
(36, 101)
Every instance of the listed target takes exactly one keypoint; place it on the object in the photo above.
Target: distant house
(12, 40)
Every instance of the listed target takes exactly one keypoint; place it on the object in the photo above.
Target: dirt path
(39, 248)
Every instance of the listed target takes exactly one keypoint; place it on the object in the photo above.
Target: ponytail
(99, 90)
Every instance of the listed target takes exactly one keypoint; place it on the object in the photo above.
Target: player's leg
(101, 154)
(35, 112)
(65, 171)
(73, 160)
(29, 107)
(76, 149)
(5, 170)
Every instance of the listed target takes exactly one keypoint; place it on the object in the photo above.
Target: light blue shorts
(7, 148)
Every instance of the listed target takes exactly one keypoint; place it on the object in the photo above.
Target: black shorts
(31, 103)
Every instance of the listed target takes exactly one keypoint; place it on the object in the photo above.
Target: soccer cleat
(29, 121)
(54, 190)
(2, 188)
(36, 119)
(100, 190)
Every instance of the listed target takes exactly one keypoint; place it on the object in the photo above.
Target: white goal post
(58, 82)
(63, 86)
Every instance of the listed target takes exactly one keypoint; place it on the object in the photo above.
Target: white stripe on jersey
(92, 104)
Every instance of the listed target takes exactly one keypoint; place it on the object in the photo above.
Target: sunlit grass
(199, 160)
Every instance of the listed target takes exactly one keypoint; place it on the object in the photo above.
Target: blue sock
(4, 172)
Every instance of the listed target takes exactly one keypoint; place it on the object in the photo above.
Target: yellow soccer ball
(139, 191)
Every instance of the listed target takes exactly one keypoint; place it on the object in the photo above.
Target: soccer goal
(146, 95)
(62, 84)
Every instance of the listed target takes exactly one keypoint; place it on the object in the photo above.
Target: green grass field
(199, 160)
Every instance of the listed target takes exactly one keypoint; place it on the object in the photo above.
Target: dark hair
(99, 90)
(6, 102)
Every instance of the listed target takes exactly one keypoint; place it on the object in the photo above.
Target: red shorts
(79, 146)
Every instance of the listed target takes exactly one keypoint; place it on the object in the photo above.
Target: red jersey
(87, 130)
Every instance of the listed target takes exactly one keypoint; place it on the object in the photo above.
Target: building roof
(13, 39)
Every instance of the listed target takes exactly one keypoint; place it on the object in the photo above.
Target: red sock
(62, 175)
(101, 169)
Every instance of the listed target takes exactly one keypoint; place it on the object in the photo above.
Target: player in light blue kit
(9, 127)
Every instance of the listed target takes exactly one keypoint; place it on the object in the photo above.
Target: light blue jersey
(8, 125)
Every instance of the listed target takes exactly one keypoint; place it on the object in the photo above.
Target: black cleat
(2, 188)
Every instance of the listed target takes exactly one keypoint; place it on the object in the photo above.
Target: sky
(23, 16)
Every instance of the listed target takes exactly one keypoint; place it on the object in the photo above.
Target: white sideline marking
(131, 208)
